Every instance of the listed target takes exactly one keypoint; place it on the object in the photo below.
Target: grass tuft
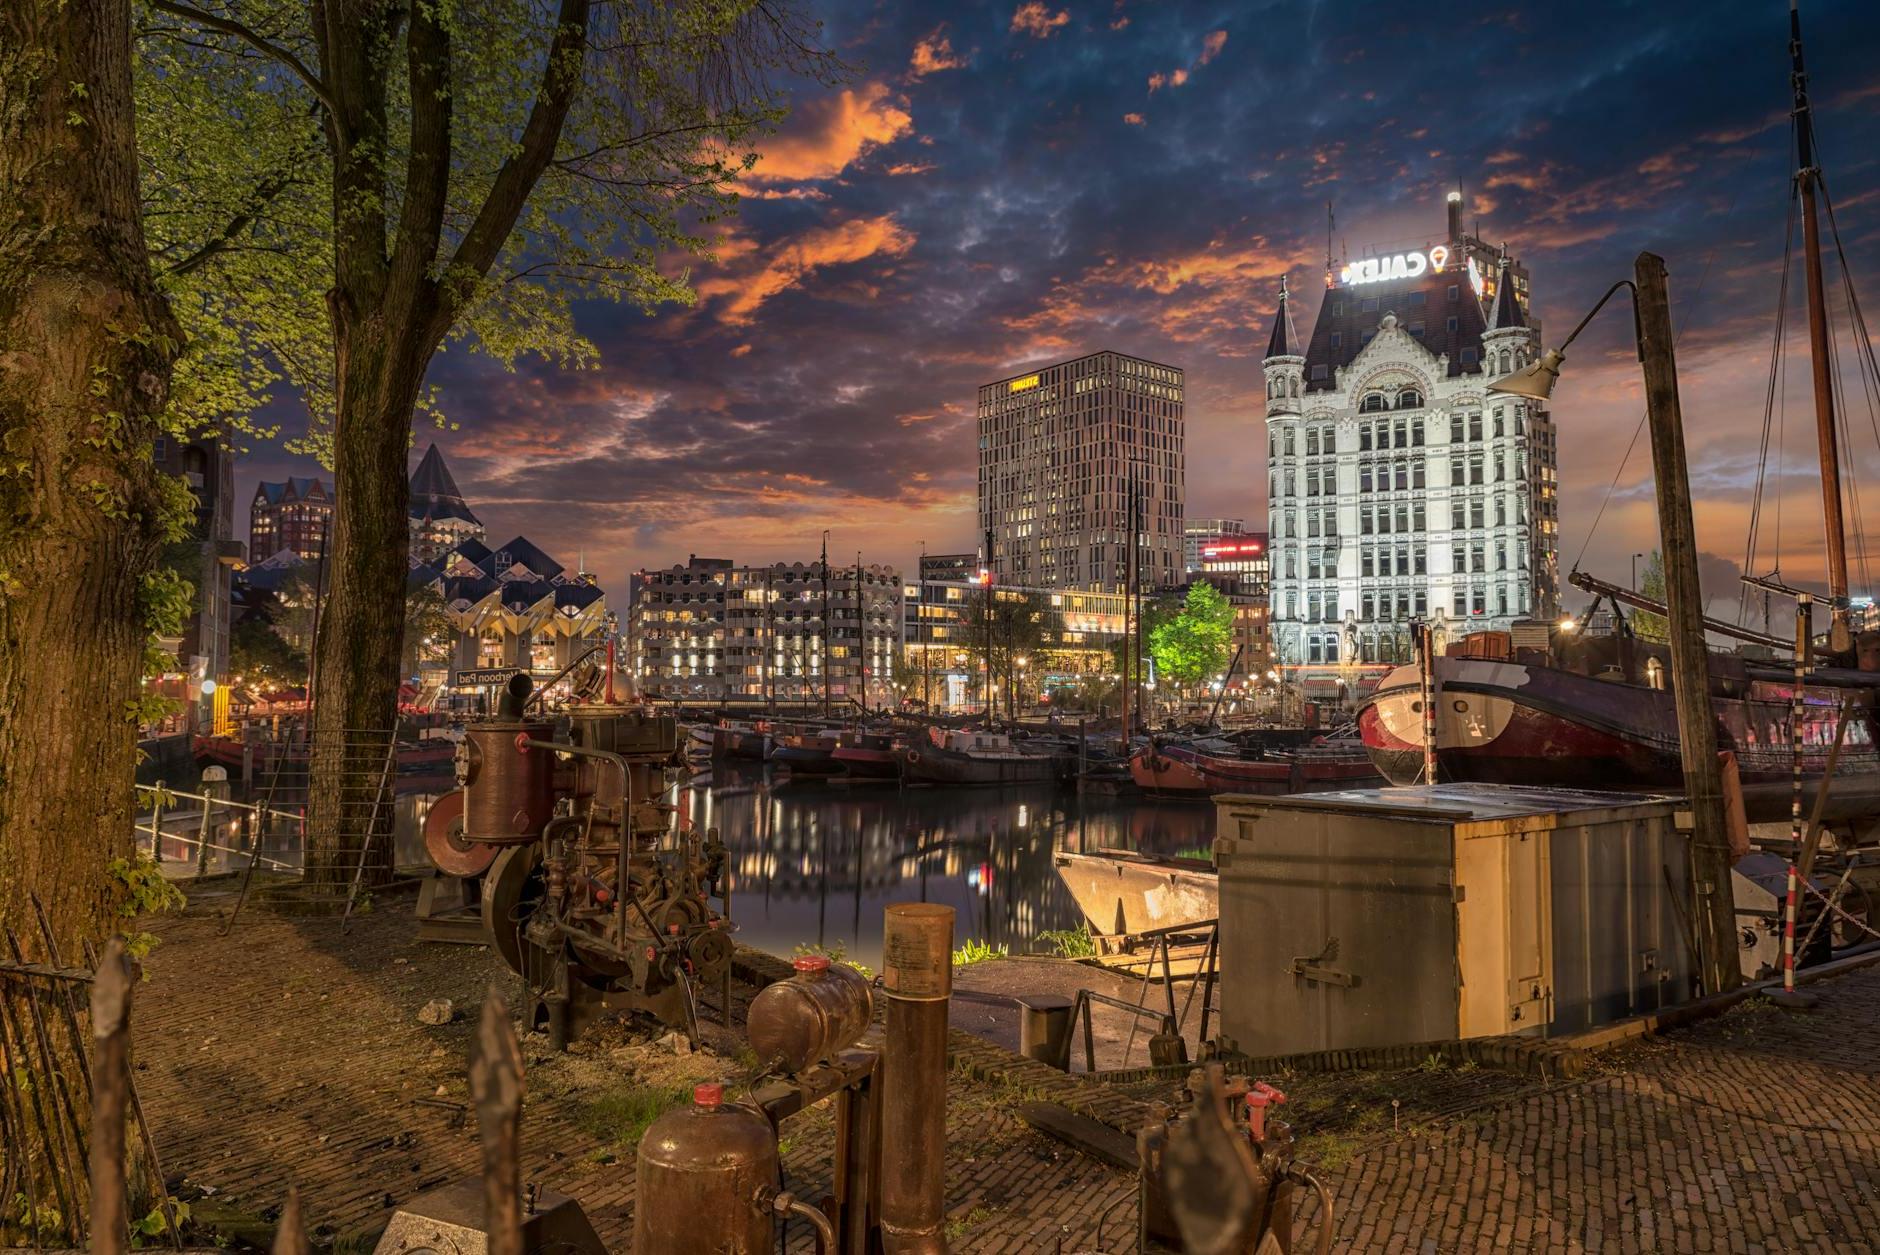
(977, 952)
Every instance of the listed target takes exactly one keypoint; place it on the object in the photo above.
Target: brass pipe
(788, 1204)
(917, 975)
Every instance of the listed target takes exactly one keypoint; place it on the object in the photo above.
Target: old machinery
(805, 1020)
(451, 1218)
(593, 893)
(1220, 1176)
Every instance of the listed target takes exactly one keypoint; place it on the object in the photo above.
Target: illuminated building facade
(295, 514)
(440, 518)
(1399, 490)
(942, 655)
(1238, 565)
(1062, 449)
(713, 630)
(1199, 533)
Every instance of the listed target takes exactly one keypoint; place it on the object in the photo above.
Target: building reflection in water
(814, 863)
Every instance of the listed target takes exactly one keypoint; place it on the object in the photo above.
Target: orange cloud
(1156, 82)
(1032, 18)
(1134, 119)
(830, 133)
(790, 261)
(934, 53)
(1211, 46)
(741, 350)
(911, 167)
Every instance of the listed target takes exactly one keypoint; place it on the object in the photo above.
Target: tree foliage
(1646, 625)
(1194, 644)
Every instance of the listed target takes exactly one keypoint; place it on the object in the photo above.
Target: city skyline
(995, 189)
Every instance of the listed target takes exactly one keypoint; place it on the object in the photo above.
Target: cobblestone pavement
(291, 1053)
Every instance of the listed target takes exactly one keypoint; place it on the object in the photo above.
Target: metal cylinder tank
(704, 1178)
(824, 1008)
(917, 975)
(509, 788)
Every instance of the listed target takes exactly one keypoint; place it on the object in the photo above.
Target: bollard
(1044, 1029)
(917, 975)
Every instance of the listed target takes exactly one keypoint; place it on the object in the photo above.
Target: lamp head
(1536, 379)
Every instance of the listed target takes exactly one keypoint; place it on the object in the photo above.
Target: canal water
(814, 863)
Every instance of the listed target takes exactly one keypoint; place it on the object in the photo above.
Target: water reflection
(815, 863)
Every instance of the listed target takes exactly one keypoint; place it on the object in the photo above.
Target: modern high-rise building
(295, 514)
(1399, 489)
(1197, 534)
(1064, 453)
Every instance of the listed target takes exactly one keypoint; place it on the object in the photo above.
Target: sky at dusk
(1005, 185)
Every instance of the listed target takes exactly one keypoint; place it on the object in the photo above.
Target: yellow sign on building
(1025, 385)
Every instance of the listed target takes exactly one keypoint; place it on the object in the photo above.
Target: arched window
(1409, 399)
(1506, 358)
(1295, 386)
(1372, 403)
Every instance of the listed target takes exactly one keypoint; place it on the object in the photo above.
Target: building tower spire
(1508, 343)
(1284, 364)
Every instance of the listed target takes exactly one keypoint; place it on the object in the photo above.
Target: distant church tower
(1284, 365)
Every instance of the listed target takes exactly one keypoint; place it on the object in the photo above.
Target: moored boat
(868, 755)
(737, 739)
(1192, 770)
(806, 753)
(979, 758)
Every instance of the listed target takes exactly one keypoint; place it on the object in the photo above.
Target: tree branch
(253, 39)
(427, 165)
(561, 78)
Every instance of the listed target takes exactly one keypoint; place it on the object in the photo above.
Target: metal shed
(1375, 917)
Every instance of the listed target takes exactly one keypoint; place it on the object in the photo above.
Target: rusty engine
(589, 891)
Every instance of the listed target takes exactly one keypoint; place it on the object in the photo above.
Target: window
(1366, 337)
(1468, 357)
(1416, 516)
(1475, 426)
(1416, 434)
(1364, 438)
(1409, 399)
(1454, 293)
(1365, 564)
(1370, 305)
(1416, 472)
(1368, 608)
(1415, 328)
(1422, 557)
(1461, 604)
(1320, 371)
(1372, 403)
(1364, 478)
(1403, 476)
(1454, 323)
(1455, 429)
(1338, 339)
(1416, 298)
(1312, 448)
(1338, 309)
(1457, 518)
(1289, 442)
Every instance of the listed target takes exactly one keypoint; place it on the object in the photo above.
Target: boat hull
(1120, 892)
(1507, 723)
(930, 764)
(1177, 771)
(868, 763)
(806, 759)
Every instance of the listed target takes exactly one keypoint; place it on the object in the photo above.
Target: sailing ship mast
(1808, 182)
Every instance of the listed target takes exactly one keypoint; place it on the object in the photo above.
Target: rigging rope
(1773, 402)
(1676, 337)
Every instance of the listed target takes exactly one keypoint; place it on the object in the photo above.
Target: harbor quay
(289, 1053)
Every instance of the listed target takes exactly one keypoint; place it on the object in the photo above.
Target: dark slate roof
(1343, 313)
(572, 597)
(521, 550)
(520, 595)
(294, 488)
(1285, 340)
(421, 574)
(1507, 312)
(467, 588)
(434, 493)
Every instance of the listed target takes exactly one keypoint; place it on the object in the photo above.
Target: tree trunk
(86, 345)
(362, 622)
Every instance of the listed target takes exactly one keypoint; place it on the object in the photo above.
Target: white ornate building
(1399, 489)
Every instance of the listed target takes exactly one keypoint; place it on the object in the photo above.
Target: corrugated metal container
(1377, 917)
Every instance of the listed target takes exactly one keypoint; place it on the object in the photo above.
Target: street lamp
(1536, 380)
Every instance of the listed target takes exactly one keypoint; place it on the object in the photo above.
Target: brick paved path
(289, 1052)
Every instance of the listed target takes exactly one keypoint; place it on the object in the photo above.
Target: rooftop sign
(1024, 385)
(1397, 266)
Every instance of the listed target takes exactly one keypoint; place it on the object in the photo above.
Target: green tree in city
(1017, 626)
(426, 620)
(257, 652)
(1646, 625)
(1194, 645)
(478, 168)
